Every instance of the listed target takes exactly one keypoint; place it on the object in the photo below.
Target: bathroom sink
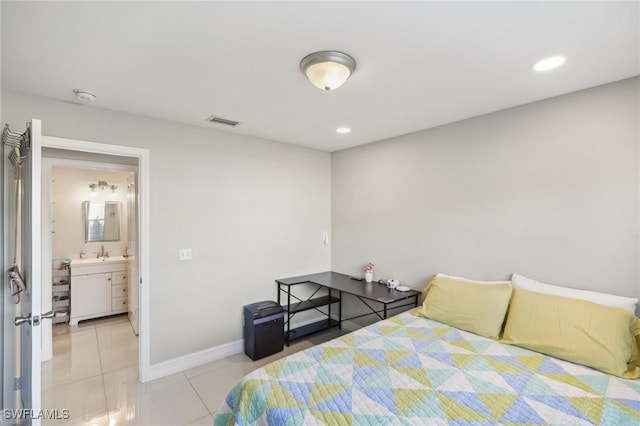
(94, 260)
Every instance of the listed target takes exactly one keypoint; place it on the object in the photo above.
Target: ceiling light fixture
(343, 130)
(328, 70)
(549, 63)
(84, 96)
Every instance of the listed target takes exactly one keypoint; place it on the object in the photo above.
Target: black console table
(328, 291)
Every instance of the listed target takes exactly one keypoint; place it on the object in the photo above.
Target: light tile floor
(94, 374)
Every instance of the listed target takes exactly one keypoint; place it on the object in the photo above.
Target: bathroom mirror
(101, 221)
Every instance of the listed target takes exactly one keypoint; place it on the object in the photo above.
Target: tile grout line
(92, 328)
(208, 371)
(87, 329)
(53, 386)
(199, 397)
(106, 404)
(99, 355)
(104, 386)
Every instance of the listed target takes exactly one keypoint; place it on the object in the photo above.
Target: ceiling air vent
(220, 120)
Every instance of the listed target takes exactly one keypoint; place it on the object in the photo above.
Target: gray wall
(251, 210)
(549, 190)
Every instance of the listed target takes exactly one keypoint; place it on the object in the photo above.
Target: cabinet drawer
(119, 291)
(119, 277)
(60, 280)
(118, 303)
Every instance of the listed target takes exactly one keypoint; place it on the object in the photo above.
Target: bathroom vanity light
(102, 184)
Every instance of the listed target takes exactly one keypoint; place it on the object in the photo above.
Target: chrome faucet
(102, 253)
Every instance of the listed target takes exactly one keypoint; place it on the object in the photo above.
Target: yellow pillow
(478, 308)
(579, 331)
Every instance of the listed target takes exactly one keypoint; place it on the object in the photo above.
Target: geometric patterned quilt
(409, 370)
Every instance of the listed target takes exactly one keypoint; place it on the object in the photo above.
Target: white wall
(549, 190)
(69, 189)
(251, 210)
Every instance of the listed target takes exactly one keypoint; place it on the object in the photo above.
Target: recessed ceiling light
(549, 63)
(343, 130)
(84, 96)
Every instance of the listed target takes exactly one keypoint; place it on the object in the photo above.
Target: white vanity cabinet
(119, 288)
(100, 288)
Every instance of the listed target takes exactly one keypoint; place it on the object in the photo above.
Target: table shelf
(311, 304)
(305, 330)
(378, 299)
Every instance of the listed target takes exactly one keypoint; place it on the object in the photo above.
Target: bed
(410, 370)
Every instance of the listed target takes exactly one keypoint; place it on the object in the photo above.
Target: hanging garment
(19, 144)
(17, 284)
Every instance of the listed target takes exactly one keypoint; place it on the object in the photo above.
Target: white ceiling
(420, 64)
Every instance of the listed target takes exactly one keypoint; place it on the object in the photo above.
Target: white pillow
(472, 281)
(626, 303)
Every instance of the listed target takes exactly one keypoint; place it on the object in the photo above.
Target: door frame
(142, 155)
(48, 163)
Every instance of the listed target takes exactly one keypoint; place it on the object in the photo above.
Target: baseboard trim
(196, 359)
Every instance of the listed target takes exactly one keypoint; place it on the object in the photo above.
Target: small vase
(368, 277)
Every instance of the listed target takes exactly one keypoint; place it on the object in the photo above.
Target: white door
(132, 235)
(28, 260)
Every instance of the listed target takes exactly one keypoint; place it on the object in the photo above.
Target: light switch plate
(184, 254)
(325, 237)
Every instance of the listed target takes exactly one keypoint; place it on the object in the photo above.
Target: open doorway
(90, 208)
(128, 169)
